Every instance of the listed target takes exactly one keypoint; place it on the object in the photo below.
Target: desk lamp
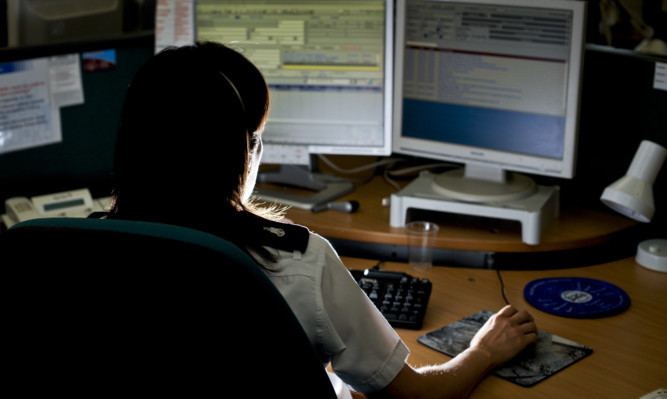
(632, 196)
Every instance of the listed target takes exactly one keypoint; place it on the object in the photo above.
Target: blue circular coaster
(576, 297)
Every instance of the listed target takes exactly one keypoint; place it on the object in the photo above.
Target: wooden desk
(575, 228)
(629, 349)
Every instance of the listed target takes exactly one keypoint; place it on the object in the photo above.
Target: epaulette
(284, 236)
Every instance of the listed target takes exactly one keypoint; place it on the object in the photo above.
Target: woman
(188, 151)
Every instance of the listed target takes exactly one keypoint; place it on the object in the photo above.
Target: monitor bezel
(485, 157)
(313, 148)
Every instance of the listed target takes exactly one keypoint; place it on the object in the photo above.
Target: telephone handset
(20, 209)
(75, 203)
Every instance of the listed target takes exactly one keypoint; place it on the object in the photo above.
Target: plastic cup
(421, 241)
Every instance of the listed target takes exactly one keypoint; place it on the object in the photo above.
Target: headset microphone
(340, 206)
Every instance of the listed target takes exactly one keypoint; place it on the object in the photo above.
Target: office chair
(111, 307)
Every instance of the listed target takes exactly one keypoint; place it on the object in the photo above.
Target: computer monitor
(329, 66)
(493, 85)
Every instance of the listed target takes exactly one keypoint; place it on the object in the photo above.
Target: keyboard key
(401, 298)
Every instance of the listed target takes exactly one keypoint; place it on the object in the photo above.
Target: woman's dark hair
(187, 128)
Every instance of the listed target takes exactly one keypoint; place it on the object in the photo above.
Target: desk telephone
(75, 203)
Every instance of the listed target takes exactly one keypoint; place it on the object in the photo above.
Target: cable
(373, 165)
(388, 171)
(391, 181)
(502, 287)
(410, 170)
(377, 265)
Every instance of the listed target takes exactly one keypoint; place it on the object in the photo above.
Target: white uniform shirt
(341, 322)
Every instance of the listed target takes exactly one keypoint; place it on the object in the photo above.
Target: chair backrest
(133, 308)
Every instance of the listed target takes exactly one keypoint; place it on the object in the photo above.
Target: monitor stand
(320, 188)
(534, 211)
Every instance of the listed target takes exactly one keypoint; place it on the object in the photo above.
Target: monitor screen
(328, 65)
(491, 84)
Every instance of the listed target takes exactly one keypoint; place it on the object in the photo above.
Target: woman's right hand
(502, 337)
(505, 334)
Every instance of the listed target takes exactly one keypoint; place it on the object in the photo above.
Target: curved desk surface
(629, 356)
(574, 228)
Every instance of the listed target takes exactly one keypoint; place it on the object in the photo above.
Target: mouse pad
(548, 356)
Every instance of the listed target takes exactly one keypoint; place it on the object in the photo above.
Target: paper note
(173, 23)
(28, 117)
(65, 80)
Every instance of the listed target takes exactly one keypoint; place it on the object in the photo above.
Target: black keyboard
(401, 298)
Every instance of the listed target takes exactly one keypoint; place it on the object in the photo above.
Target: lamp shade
(632, 195)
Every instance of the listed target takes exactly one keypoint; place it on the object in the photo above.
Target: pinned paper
(31, 95)
(173, 23)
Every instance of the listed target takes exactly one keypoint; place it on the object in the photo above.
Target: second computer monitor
(493, 85)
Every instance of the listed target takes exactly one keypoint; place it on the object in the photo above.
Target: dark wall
(620, 108)
(84, 157)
